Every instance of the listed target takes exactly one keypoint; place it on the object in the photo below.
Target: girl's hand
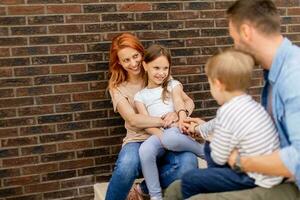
(190, 129)
(169, 119)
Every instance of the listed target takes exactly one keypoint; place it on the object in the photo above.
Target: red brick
(17, 122)
(293, 11)
(99, 85)
(76, 164)
(74, 145)
(66, 69)
(25, 10)
(31, 130)
(63, 29)
(43, 187)
(26, 51)
(73, 126)
(77, 182)
(88, 96)
(2, 11)
(61, 194)
(8, 132)
(54, 99)
(38, 110)
(135, 7)
(12, 2)
(66, 49)
(24, 180)
(92, 133)
(82, 18)
(33, 91)
(4, 52)
(20, 141)
(6, 113)
(40, 168)
(63, 9)
(71, 88)
(6, 72)
(72, 107)
(10, 191)
(40, 149)
(20, 161)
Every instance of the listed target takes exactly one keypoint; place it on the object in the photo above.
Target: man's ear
(246, 32)
(144, 65)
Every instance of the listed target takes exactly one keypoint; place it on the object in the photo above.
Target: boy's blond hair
(232, 68)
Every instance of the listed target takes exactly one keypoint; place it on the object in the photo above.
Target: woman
(126, 79)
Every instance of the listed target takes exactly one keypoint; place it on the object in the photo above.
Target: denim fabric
(171, 167)
(215, 178)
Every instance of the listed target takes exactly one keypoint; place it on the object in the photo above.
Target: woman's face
(131, 60)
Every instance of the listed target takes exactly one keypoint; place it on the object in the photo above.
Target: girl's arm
(179, 105)
(189, 104)
(137, 120)
(142, 110)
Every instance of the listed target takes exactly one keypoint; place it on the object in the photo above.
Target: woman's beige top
(127, 92)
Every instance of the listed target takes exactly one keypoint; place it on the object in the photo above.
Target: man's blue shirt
(284, 77)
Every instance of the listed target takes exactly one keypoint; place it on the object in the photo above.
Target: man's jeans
(171, 167)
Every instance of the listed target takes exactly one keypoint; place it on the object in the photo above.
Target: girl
(162, 95)
(126, 79)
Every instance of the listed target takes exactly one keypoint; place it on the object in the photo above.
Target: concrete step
(100, 188)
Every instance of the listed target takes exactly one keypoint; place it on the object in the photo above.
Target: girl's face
(131, 60)
(157, 70)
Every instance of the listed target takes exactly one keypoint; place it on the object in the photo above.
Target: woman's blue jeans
(171, 167)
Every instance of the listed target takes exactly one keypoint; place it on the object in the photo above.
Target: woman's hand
(169, 119)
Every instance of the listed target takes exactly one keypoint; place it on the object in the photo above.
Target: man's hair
(263, 14)
(232, 68)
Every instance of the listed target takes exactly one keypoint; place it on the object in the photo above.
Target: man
(254, 26)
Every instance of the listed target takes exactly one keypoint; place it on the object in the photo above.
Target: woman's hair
(117, 73)
(263, 14)
(152, 53)
(232, 68)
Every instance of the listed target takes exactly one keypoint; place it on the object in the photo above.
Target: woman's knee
(128, 165)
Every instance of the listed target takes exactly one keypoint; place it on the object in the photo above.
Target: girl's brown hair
(117, 73)
(152, 53)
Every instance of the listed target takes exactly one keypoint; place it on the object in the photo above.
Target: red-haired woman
(126, 79)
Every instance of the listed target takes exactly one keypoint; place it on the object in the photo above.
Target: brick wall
(58, 133)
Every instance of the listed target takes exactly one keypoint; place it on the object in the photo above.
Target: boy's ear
(219, 84)
(144, 65)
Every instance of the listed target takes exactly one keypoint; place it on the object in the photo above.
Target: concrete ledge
(100, 188)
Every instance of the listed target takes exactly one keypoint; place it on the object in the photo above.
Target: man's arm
(266, 164)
